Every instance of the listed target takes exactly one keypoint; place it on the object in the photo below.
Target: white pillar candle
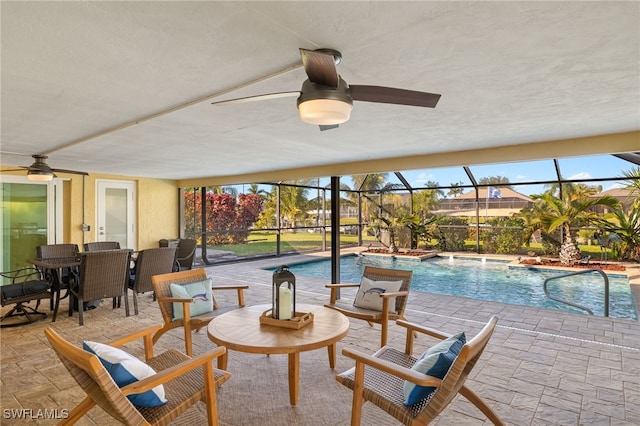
(284, 304)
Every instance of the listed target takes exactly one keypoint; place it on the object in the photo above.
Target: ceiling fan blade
(320, 66)
(23, 169)
(324, 127)
(265, 97)
(73, 172)
(390, 95)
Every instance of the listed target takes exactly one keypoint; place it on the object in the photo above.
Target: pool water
(493, 281)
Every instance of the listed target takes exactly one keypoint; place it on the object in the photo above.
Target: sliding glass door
(28, 216)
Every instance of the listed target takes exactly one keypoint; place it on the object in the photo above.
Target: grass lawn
(264, 242)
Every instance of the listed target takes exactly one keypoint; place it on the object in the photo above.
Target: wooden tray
(300, 320)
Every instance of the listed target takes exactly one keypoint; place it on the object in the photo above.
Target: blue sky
(604, 166)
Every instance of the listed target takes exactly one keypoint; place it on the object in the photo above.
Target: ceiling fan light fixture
(325, 111)
(38, 175)
(40, 170)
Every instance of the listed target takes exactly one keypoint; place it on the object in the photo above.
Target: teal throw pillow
(434, 362)
(199, 291)
(126, 369)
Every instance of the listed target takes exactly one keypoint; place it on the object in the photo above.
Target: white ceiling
(93, 84)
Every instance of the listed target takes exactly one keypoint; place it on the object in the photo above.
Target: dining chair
(178, 379)
(60, 278)
(101, 245)
(149, 262)
(185, 254)
(104, 245)
(382, 296)
(102, 274)
(416, 389)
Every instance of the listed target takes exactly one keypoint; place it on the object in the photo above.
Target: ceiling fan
(326, 99)
(41, 171)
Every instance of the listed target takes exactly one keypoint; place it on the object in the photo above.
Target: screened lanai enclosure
(482, 209)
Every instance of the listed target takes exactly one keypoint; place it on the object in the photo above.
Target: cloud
(615, 185)
(423, 178)
(581, 175)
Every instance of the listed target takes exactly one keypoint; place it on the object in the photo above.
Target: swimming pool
(491, 280)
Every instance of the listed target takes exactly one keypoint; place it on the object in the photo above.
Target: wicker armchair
(380, 378)
(101, 245)
(102, 274)
(23, 286)
(150, 262)
(161, 285)
(384, 315)
(186, 381)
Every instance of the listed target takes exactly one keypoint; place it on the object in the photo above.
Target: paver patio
(541, 367)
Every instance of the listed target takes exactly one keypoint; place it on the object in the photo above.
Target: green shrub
(451, 233)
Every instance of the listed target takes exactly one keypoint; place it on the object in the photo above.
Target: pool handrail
(575, 305)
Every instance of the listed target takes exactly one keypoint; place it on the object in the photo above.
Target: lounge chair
(185, 381)
(162, 287)
(391, 380)
(387, 311)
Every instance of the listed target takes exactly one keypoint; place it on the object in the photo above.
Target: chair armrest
(404, 373)
(230, 287)
(172, 372)
(145, 335)
(413, 329)
(332, 286)
(395, 294)
(410, 326)
(135, 335)
(240, 289)
(334, 290)
(175, 299)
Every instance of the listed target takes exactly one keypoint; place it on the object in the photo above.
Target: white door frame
(130, 186)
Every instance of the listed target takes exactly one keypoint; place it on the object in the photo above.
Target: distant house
(623, 195)
(491, 202)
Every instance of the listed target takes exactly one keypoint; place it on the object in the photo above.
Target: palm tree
(569, 190)
(425, 201)
(502, 181)
(394, 224)
(255, 189)
(294, 201)
(375, 183)
(633, 180)
(455, 189)
(216, 189)
(627, 227)
(557, 213)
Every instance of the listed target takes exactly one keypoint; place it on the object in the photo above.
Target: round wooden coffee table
(241, 330)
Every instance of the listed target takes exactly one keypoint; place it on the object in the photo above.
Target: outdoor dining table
(54, 269)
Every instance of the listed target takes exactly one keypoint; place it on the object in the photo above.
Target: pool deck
(540, 367)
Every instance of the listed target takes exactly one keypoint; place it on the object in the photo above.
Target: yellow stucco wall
(157, 208)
